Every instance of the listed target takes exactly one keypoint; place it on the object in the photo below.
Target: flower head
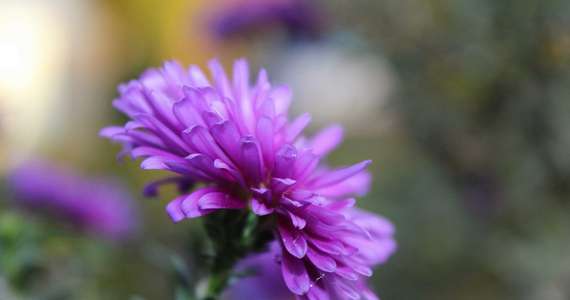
(99, 206)
(238, 140)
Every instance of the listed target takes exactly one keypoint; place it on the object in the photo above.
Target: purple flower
(300, 18)
(238, 141)
(262, 277)
(99, 206)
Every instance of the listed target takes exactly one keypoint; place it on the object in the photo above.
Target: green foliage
(21, 259)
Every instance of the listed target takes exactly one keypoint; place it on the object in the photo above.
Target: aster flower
(237, 140)
(96, 205)
(300, 18)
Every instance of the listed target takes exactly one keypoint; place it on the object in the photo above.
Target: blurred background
(462, 105)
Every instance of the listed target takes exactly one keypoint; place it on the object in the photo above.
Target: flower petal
(219, 200)
(110, 131)
(297, 126)
(259, 208)
(294, 274)
(251, 161)
(186, 113)
(265, 135)
(174, 209)
(326, 140)
(227, 136)
(305, 164)
(284, 160)
(321, 260)
(220, 79)
(357, 185)
(297, 221)
(281, 96)
(293, 240)
(336, 176)
(190, 205)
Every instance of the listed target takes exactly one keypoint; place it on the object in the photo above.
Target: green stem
(234, 235)
(217, 283)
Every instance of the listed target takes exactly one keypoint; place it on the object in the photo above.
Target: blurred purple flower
(300, 18)
(99, 206)
(237, 139)
(265, 282)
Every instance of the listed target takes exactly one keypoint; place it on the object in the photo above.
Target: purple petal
(241, 88)
(345, 289)
(165, 134)
(327, 246)
(361, 269)
(297, 126)
(219, 200)
(251, 162)
(294, 274)
(357, 185)
(260, 95)
(162, 107)
(110, 131)
(197, 77)
(231, 171)
(297, 221)
(267, 109)
(284, 161)
(336, 176)
(204, 165)
(259, 207)
(185, 111)
(305, 164)
(327, 140)
(300, 194)
(190, 205)
(145, 151)
(174, 72)
(265, 136)
(174, 209)
(203, 142)
(144, 138)
(280, 185)
(281, 98)
(321, 260)
(241, 80)
(220, 79)
(293, 240)
(341, 204)
(155, 163)
(318, 293)
(291, 202)
(228, 137)
(325, 215)
(346, 272)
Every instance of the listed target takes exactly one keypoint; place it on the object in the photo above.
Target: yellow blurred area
(171, 28)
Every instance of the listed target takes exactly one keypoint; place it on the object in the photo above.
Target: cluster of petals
(236, 139)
